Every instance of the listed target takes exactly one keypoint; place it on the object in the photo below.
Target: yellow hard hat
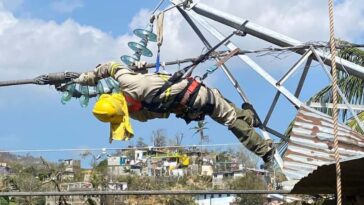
(114, 109)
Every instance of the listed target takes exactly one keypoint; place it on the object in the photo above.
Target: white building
(207, 170)
(117, 186)
(72, 165)
(139, 155)
(215, 199)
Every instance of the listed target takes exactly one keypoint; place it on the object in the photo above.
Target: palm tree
(351, 86)
(199, 129)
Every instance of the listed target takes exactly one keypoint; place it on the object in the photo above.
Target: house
(117, 186)
(140, 155)
(72, 165)
(87, 175)
(218, 178)
(122, 165)
(71, 168)
(4, 169)
(73, 200)
(207, 170)
(215, 199)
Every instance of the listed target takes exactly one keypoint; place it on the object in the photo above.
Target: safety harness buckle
(194, 86)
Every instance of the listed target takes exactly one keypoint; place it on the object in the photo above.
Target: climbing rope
(335, 108)
(160, 19)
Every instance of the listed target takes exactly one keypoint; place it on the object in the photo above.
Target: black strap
(187, 71)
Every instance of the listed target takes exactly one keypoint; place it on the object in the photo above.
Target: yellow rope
(335, 96)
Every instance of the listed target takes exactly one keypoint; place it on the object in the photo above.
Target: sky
(38, 37)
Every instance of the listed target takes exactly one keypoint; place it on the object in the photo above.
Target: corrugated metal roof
(311, 143)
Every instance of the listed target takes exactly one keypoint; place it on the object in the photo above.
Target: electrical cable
(101, 149)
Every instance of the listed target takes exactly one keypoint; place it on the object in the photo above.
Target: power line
(105, 149)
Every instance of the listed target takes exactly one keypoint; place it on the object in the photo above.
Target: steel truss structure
(196, 11)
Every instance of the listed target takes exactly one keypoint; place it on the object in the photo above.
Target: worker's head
(109, 109)
(113, 108)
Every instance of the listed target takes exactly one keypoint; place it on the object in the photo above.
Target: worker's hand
(87, 78)
(140, 64)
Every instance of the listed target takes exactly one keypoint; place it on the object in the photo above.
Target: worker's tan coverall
(143, 87)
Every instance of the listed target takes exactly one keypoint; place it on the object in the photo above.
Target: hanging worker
(187, 99)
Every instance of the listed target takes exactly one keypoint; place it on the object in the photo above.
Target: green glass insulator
(114, 84)
(66, 96)
(84, 99)
(100, 88)
(71, 88)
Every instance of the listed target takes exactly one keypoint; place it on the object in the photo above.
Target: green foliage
(102, 166)
(90, 201)
(167, 183)
(351, 86)
(200, 129)
(250, 181)
(353, 124)
(4, 201)
(96, 179)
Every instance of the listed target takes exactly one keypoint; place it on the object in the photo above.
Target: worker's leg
(237, 120)
(245, 132)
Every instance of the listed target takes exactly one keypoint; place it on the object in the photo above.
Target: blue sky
(44, 36)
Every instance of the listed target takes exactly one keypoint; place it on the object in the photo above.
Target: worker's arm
(101, 71)
(141, 87)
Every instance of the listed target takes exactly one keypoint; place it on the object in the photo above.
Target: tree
(140, 142)
(351, 86)
(199, 129)
(250, 181)
(178, 138)
(25, 181)
(159, 138)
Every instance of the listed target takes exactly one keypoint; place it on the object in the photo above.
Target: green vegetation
(351, 86)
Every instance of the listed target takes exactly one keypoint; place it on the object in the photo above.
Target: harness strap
(133, 104)
(168, 91)
(191, 89)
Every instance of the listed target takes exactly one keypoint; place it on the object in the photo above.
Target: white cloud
(66, 6)
(33, 46)
(304, 20)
